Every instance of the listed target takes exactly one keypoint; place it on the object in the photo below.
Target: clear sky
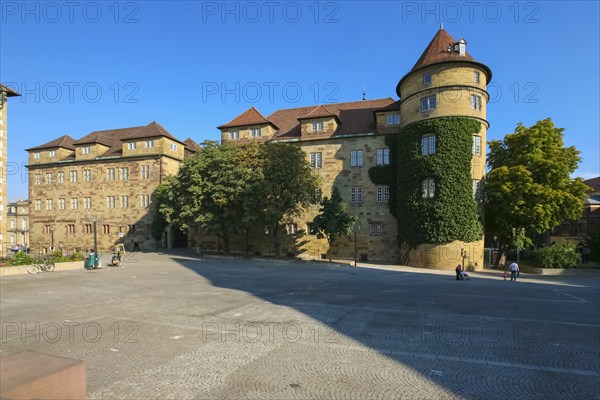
(191, 66)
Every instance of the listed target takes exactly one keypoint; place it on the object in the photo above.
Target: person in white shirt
(514, 270)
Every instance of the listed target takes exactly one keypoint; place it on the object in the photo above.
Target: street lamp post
(52, 237)
(356, 230)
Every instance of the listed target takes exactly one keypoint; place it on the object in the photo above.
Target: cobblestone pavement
(177, 327)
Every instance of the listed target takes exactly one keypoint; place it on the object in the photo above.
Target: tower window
(476, 189)
(476, 76)
(428, 188)
(475, 102)
(426, 79)
(477, 145)
(428, 103)
(428, 145)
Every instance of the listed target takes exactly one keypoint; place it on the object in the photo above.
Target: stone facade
(18, 223)
(342, 141)
(107, 178)
(5, 92)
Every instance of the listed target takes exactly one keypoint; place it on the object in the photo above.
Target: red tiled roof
(318, 112)
(151, 130)
(191, 145)
(355, 117)
(64, 141)
(395, 106)
(437, 52)
(9, 92)
(249, 117)
(594, 183)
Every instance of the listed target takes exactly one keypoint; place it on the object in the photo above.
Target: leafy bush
(559, 255)
(21, 258)
(592, 243)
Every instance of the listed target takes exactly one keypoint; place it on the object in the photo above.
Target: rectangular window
(428, 145)
(477, 145)
(317, 126)
(392, 119)
(49, 205)
(37, 179)
(87, 175)
(37, 155)
(70, 229)
(52, 153)
(48, 178)
(85, 150)
(426, 79)
(87, 228)
(145, 200)
(383, 194)
(356, 194)
(74, 203)
(476, 189)
(110, 174)
(62, 204)
(87, 202)
(106, 229)
(24, 224)
(476, 76)
(130, 228)
(291, 229)
(131, 145)
(428, 188)
(256, 132)
(475, 102)
(47, 229)
(376, 229)
(73, 176)
(124, 201)
(110, 201)
(38, 205)
(356, 158)
(173, 146)
(149, 144)
(234, 135)
(145, 172)
(383, 156)
(124, 173)
(61, 177)
(428, 103)
(316, 160)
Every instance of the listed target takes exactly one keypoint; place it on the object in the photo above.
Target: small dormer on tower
(459, 47)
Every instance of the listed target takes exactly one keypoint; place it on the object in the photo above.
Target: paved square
(174, 326)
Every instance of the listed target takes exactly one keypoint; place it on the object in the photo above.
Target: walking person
(514, 270)
(458, 270)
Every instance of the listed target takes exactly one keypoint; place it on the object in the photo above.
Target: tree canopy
(332, 221)
(529, 186)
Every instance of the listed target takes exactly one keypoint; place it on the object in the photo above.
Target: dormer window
(256, 132)
(52, 153)
(85, 150)
(173, 146)
(426, 79)
(234, 135)
(317, 126)
(37, 155)
(149, 144)
(462, 47)
(131, 146)
(393, 119)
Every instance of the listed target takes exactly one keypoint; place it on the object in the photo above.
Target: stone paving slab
(172, 326)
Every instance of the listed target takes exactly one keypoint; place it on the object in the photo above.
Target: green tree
(592, 243)
(162, 196)
(289, 186)
(528, 187)
(332, 221)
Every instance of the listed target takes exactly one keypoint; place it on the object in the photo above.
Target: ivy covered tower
(440, 156)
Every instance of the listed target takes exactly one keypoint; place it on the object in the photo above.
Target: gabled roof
(249, 117)
(318, 112)
(9, 92)
(65, 141)
(355, 117)
(437, 53)
(153, 129)
(594, 183)
(191, 145)
(395, 106)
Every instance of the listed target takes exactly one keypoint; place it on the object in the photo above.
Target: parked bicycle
(46, 266)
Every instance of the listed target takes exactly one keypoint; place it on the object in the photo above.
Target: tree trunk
(247, 246)
(329, 243)
(276, 246)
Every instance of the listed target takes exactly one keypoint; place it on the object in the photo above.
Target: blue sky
(191, 66)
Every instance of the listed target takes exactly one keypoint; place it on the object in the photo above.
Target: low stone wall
(22, 269)
(560, 271)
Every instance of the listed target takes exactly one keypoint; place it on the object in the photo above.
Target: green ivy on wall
(452, 213)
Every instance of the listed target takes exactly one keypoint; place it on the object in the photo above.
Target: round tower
(446, 83)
